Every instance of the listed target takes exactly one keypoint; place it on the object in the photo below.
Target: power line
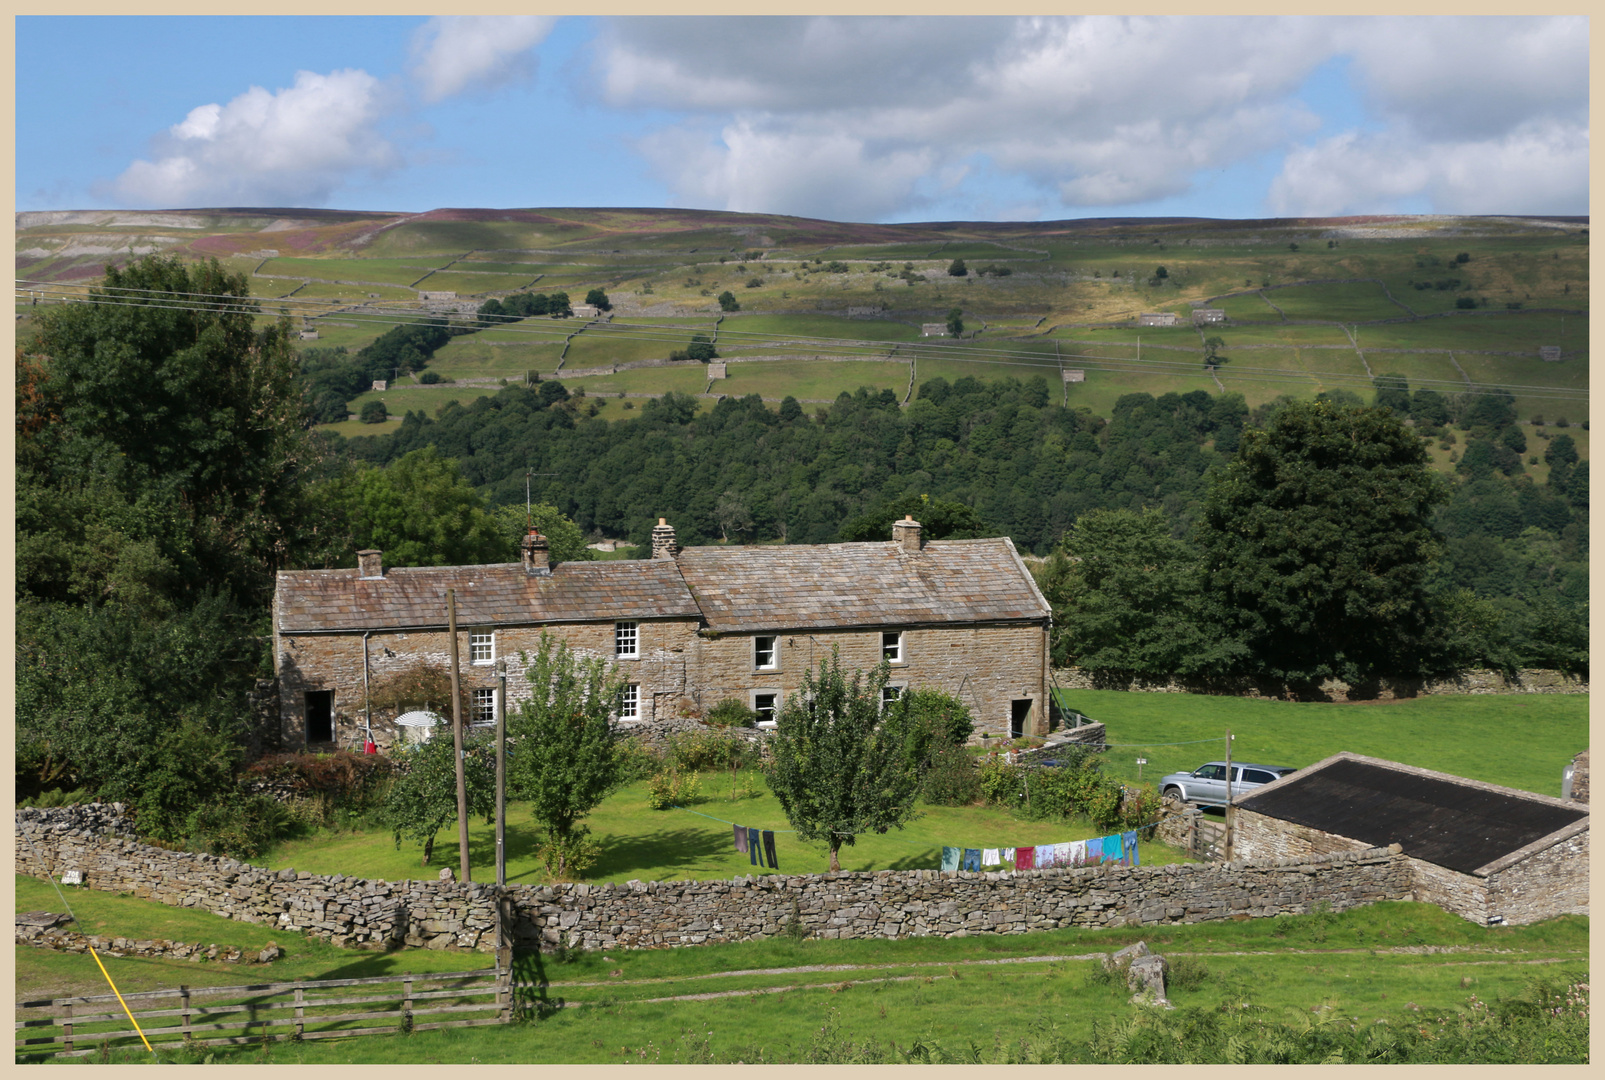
(675, 334)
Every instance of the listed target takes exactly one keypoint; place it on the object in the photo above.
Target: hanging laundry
(1007, 856)
(1078, 853)
(753, 850)
(950, 858)
(971, 860)
(741, 839)
(1025, 858)
(990, 857)
(769, 850)
(1130, 844)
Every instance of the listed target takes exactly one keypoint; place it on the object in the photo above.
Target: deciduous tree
(839, 764)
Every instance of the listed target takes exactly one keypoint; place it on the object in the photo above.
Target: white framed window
(482, 647)
(765, 653)
(627, 640)
(889, 694)
(630, 703)
(892, 646)
(484, 707)
(766, 703)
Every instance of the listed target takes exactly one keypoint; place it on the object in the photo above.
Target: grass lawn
(820, 380)
(638, 842)
(1451, 733)
(992, 991)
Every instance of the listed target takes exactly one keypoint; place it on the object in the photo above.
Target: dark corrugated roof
(808, 586)
(1436, 818)
(334, 600)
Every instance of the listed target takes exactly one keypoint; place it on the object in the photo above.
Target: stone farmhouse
(687, 628)
(1487, 853)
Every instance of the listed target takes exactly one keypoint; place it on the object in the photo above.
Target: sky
(871, 119)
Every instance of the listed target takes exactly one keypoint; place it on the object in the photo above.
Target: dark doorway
(320, 716)
(1019, 713)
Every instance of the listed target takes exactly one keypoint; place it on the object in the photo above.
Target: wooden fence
(311, 1009)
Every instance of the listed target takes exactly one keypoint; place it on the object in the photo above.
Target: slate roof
(827, 586)
(1447, 820)
(334, 600)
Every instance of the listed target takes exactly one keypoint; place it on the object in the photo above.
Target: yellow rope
(120, 1000)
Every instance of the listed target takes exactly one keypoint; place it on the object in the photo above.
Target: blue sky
(863, 119)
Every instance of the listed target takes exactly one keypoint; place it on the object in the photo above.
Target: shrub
(731, 713)
(373, 412)
(951, 778)
(727, 301)
(705, 751)
(239, 827)
(429, 378)
(956, 268)
(636, 761)
(672, 788)
(568, 858)
(346, 780)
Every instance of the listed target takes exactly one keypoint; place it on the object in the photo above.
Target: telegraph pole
(457, 739)
(1228, 794)
(501, 773)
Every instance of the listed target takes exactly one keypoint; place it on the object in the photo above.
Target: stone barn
(1487, 853)
(687, 628)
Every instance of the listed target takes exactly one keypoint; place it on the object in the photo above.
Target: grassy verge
(1447, 732)
(994, 993)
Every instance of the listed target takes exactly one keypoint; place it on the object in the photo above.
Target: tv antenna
(529, 516)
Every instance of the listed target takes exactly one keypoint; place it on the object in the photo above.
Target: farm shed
(1157, 318)
(1202, 316)
(1487, 853)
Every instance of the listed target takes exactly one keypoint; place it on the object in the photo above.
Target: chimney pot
(908, 535)
(370, 563)
(663, 543)
(536, 551)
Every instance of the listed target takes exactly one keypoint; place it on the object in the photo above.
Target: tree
(701, 348)
(955, 322)
(1393, 392)
(1562, 450)
(940, 519)
(419, 510)
(423, 798)
(1212, 348)
(1160, 273)
(373, 412)
(1127, 597)
(728, 302)
(839, 768)
(567, 760)
(598, 299)
(566, 543)
(956, 268)
(1316, 541)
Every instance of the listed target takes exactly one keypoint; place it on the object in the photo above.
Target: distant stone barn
(1487, 853)
(687, 628)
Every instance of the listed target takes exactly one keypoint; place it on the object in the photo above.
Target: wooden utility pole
(501, 773)
(457, 739)
(1228, 794)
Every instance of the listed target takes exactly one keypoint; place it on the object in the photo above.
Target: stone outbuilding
(687, 628)
(1490, 854)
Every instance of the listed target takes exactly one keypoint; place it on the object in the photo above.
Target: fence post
(66, 1025)
(183, 1011)
(300, 1013)
(406, 1001)
(504, 958)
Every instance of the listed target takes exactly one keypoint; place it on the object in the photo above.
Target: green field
(1357, 302)
(682, 378)
(470, 357)
(821, 380)
(834, 1001)
(1446, 732)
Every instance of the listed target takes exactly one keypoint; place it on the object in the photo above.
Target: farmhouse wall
(1256, 836)
(987, 667)
(885, 904)
(334, 662)
(1526, 681)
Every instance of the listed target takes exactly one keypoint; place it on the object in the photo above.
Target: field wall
(1526, 681)
(885, 904)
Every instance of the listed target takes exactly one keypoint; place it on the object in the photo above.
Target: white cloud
(855, 117)
(292, 147)
(452, 53)
(1540, 168)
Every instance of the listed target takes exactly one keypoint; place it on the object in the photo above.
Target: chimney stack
(370, 563)
(663, 545)
(907, 534)
(537, 552)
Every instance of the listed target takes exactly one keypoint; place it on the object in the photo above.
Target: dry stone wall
(885, 904)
